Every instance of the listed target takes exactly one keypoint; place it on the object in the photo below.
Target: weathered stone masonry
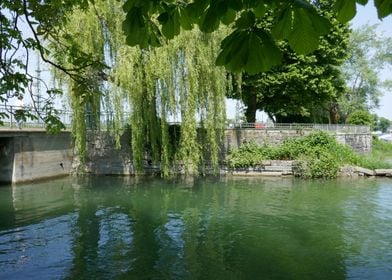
(103, 158)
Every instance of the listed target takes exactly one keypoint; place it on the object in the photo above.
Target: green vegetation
(104, 56)
(178, 81)
(248, 47)
(381, 152)
(360, 117)
(287, 92)
(381, 124)
(369, 54)
(319, 155)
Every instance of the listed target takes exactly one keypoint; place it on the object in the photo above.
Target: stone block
(364, 171)
(382, 172)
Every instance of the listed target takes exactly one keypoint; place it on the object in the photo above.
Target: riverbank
(293, 168)
(317, 155)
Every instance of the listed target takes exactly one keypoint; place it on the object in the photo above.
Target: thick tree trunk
(251, 103)
(333, 113)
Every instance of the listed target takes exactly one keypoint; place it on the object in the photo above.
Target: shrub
(319, 153)
(322, 166)
(360, 117)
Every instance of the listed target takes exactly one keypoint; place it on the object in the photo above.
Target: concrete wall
(6, 159)
(36, 155)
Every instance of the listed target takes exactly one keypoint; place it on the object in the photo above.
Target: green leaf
(230, 47)
(284, 25)
(185, 20)
(246, 20)
(229, 17)
(260, 10)
(197, 8)
(362, 2)
(307, 28)
(170, 21)
(345, 9)
(263, 54)
(384, 7)
(249, 51)
(132, 23)
(129, 4)
(320, 24)
(210, 20)
(235, 4)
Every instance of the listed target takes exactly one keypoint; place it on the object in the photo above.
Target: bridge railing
(338, 128)
(110, 120)
(10, 117)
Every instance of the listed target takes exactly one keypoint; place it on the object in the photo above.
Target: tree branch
(69, 71)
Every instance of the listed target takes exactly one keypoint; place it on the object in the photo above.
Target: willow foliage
(177, 82)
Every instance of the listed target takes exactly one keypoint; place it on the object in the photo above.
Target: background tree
(382, 124)
(369, 54)
(303, 88)
(360, 117)
(26, 27)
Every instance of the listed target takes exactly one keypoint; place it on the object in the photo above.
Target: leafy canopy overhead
(247, 48)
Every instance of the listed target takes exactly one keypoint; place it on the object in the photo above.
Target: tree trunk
(251, 103)
(333, 113)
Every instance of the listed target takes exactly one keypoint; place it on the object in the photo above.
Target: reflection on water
(231, 228)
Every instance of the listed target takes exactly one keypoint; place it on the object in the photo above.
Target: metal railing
(9, 117)
(109, 120)
(337, 128)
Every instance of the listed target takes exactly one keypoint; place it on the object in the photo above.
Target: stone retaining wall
(361, 143)
(104, 158)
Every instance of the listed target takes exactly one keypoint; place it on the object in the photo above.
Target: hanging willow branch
(176, 82)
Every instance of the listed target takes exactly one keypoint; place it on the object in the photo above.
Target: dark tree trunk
(251, 103)
(333, 113)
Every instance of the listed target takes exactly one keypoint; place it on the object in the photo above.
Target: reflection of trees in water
(367, 230)
(158, 229)
(7, 212)
(203, 228)
(85, 243)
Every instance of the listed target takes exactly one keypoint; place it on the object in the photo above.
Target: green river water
(228, 228)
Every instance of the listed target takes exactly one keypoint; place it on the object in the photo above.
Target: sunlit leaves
(246, 50)
(345, 10)
(297, 21)
(302, 27)
(307, 29)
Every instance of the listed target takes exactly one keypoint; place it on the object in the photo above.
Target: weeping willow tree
(177, 82)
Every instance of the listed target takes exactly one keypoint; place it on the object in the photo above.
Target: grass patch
(381, 153)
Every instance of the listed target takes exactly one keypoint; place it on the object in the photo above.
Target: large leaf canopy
(150, 22)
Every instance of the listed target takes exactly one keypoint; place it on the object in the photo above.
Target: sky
(368, 15)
